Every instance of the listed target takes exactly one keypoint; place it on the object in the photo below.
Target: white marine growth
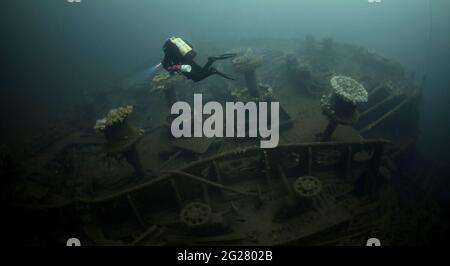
(247, 61)
(349, 89)
(114, 117)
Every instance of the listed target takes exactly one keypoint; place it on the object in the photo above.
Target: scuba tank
(186, 50)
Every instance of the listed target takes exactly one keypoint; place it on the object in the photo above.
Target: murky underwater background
(53, 50)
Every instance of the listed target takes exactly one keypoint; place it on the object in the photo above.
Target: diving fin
(226, 56)
(223, 56)
(215, 71)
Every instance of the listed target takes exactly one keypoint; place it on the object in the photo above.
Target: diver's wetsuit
(173, 57)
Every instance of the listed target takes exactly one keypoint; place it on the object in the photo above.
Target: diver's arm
(168, 65)
(166, 62)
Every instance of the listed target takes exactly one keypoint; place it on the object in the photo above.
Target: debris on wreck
(389, 67)
(305, 197)
(386, 95)
(247, 64)
(245, 210)
(310, 44)
(122, 137)
(167, 83)
(301, 75)
(199, 218)
(328, 47)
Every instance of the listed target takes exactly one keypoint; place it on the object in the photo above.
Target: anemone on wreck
(167, 83)
(114, 118)
(121, 137)
(340, 105)
(349, 89)
(299, 72)
(310, 43)
(247, 63)
(164, 81)
(243, 95)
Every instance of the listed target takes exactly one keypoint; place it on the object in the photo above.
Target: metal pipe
(205, 181)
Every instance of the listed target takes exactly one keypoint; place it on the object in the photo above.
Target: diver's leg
(198, 76)
(213, 59)
(217, 72)
(224, 56)
(208, 64)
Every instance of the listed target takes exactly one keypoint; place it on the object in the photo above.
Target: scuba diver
(179, 55)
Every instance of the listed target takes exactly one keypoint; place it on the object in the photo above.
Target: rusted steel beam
(174, 185)
(376, 159)
(233, 154)
(218, 176)
(334, 144)
(376, 89)
(386, 115)
(165, 177)
(376, 106)
(171, 159)
(205, 194)
(284, 178)
(310, 157)
(205, 181)
(268, 170)
(348, 166)
(125, 191)
(147, 232)
(259, 193)
(135, 210)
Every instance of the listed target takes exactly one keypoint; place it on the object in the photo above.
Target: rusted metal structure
(268, 192)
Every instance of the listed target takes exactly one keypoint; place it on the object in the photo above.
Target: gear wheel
(196, 214)
(307, 186)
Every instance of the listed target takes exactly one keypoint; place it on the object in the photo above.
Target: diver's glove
(186, 68)
(180, 68)
(174, 68)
